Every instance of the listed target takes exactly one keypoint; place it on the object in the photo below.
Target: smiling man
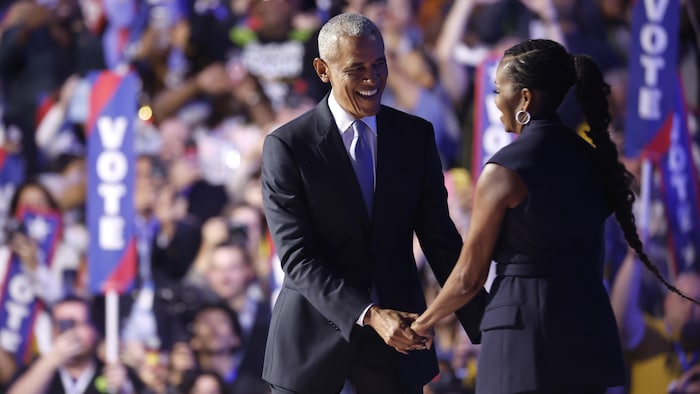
(345, 186)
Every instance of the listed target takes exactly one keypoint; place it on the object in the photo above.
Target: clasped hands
(399, 329)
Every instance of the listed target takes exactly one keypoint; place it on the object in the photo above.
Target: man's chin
(78, 360)
(370, 110)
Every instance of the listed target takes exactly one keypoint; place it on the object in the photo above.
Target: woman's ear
(526, 98)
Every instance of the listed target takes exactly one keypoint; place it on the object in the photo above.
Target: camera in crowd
(65, 325)
(238, 233)
(12, 227)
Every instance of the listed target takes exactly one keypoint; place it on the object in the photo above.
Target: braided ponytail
(592, 95)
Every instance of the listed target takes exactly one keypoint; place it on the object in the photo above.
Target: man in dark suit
(345, 186)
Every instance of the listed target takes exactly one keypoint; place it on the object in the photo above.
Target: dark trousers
(366, 380)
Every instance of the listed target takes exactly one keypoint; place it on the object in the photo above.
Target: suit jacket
(333, 253)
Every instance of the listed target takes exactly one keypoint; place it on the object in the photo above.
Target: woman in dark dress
(539, 212)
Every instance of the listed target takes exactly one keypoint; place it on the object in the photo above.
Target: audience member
(24, 243)
(216, 341)
(688, 383)
(36, 34)
(156, 371)
(230, 276)
(278, 53)
(182, 363)
(249, 222)
(414, 85)
(72, 364)
(203, 382)
(8, 367)
(49, 279)
(658, 349)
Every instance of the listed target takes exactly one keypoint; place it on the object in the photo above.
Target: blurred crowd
(215, 78)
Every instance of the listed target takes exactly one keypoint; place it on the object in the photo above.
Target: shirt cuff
(361, 319)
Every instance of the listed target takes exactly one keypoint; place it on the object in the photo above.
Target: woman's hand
(423, 331)
(26, 249)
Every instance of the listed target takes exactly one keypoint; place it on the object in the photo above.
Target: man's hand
(394, 328)
(66, 346)
(214, 79)
(117, 378)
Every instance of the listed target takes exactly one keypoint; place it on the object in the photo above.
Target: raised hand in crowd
(27, 14)
(8, 366)
(72, 363)
(214, 232)
(660, 350)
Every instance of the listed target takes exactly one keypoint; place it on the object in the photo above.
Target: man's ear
(321, 69)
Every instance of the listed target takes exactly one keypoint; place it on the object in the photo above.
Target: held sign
(652, 74)
(112, 167)
(680, 192)
(110, 205)
(19, 302)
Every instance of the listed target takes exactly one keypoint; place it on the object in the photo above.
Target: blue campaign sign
(19, 304)
(680, 191)
(652, 77)
(110, 204)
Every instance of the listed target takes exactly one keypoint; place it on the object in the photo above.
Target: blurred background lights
(145, 113)
(232, 158)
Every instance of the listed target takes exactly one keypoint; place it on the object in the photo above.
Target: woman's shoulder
(515, 154)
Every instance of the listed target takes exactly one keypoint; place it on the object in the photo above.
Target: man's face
(206, 384)
(228, 274)
(74, 316)
(213, 332)
(174, 135)
(274, 17)
(357, 73)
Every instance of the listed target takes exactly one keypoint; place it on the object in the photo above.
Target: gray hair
(350, 25)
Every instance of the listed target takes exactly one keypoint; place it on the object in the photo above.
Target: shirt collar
(80, 384)
(344, 120)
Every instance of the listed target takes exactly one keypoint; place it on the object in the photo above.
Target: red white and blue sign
(653, 76)
(18, 299)
(680, 189)
(656, 123)
(110, 202)
(12, 174)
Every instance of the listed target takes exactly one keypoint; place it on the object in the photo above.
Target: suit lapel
(331, 149)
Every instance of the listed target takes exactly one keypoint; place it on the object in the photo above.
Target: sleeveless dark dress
(549, 324)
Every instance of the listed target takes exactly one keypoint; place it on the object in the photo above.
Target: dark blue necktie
(362, 162)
